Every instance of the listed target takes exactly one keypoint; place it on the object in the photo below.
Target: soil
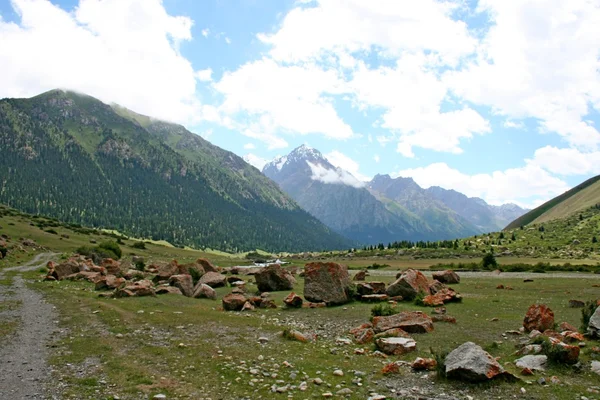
(23, 355)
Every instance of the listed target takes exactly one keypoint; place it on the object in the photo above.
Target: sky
(498, 99)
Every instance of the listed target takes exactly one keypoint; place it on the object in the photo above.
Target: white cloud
(249, 146)
(344, 162)
(567, 161)
(513, 125)
(283, 99)
(204, 75)
(376, 158)
(227, 40)
(205, 32)
(123, 51)
(333, 176)
(391, 27)
(255, 161)
(518, 185)
(539, 59)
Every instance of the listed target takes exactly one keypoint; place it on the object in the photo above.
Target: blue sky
(498, 100)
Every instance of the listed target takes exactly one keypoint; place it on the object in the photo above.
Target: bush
(382, 310)
(3, 251)
(419, 298)
(52, 231)
(195, 275)
(111, 246)
(139, 245)
(140, 265)
(108, 249)
(440, 359)
(586, 314)
(377, 266)
(489, 261)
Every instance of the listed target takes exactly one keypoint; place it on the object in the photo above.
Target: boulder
(374, 298)
(168, 290)
(66, 268)
(448, 276)
(367, 288)
(207, 266)
(364, 336)
(164, 271)
(423, 364)
(410, 283)
(273, 278)
(326, 282)
(360, 276)
(184, 283)
(109, 282)
(85, 275)
(292, 300)
(203, 291)
(233, 302)
(565, 326)
(434, 287)
(533, 363)
(396, 345)
(394, 332)
(408, 321)
(469, 362)
(234, 279)
(576, 303)
(137, 289)
(196, 269)
(441, 297)
(213, 279)
(112, 266)
(594, 325)
(563, 352)
(539, 317)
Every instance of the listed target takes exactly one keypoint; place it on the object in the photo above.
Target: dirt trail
(23, 366)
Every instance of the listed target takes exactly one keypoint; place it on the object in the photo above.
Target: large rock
(66, 268)
(213, 279)
(138, 289)
(448, 276)
(442, 296)
(168, 290)
(207, 266)
(203, 291)
(234, 302)
(360, 276)
(534, 363)
(410, 283)
(563, 352)
(273, 278)
(164, 271)
(184, 283)
(408, 321)
(469, 362)
(538, 317)
(195, 269)
(594, 325)
(367, 288)
(396, 345)
(109, 282)
(112, 266)
(326, 282)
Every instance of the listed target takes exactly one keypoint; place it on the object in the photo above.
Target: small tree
(489, 261)
(594, 239)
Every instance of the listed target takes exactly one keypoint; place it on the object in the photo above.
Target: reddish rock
(168, 290)
(292, 300)
(424, 364)
(194, 268)
(448, 276)
(364, 336)
(360, 276)
(109, 282)
(442, 296)
(326, 282)
(409, 321)
(234, 279)
(292, 334)
(207, 266)
(213, 279)
(113, 267)
(273, 278)
(394, 332)
(564, 352)
(247, 306)
(363, 289)
(164, 271)
(572, 336)
(66, 268)
(233, 302)
(526, 372)
(374, 298)
(391, 368)
(138, 289)
(410, 283)
(203, 291)
(85, 275)
(435, 286)
(314, 305)
(439, 310)
(366, 325)
(184, 283)
(500, 286)
(443, 318)
(538, 317)
(396, 345)
(565, 326)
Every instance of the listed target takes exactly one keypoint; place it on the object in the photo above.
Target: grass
(7, 327)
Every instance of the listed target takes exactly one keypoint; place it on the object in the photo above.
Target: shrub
(3, 251)
(489, 261)
(440, 359)
(377, 266)
(111, 246)
(382, 310)
(140, 265)
(139, 245)
(195, 275)
(419, 298)
(52, 231)
(586, 314)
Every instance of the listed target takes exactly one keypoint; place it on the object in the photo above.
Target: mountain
(487, 218)
(338, 199)
(440, 221)
(576, 200)
(72, 157)
(382, 211)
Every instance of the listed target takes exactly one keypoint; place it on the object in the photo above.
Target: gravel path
(23, 367)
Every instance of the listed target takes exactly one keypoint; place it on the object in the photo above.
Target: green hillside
(579, 198)
(72, 157)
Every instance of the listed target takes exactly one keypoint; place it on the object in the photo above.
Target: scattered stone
(292, 300)
(576, 303)
(374, 298)
(233, 302)
(168, 290)
(530, 349)
(424, 364)
(565, 326)
(595, 367)
(563, 352)
(534, 363)
(500, 286)
(396, 345)
(207, 266)
(469, 362)
(203, 291)
(183, 283)
(409, 321)
(448, 277)
(139, 288)
(247, 306)
(360, 276)
(394, 332)
(338, 372)
(538, 317)
(273, 278)
(326, 282)
(297, 336)
(410, 283)
(594, 324)
(213, 279)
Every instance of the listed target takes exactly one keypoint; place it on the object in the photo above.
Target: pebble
(338, 372)
(327, 394)
(159, 396)
(344, 392)
(318, 381)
